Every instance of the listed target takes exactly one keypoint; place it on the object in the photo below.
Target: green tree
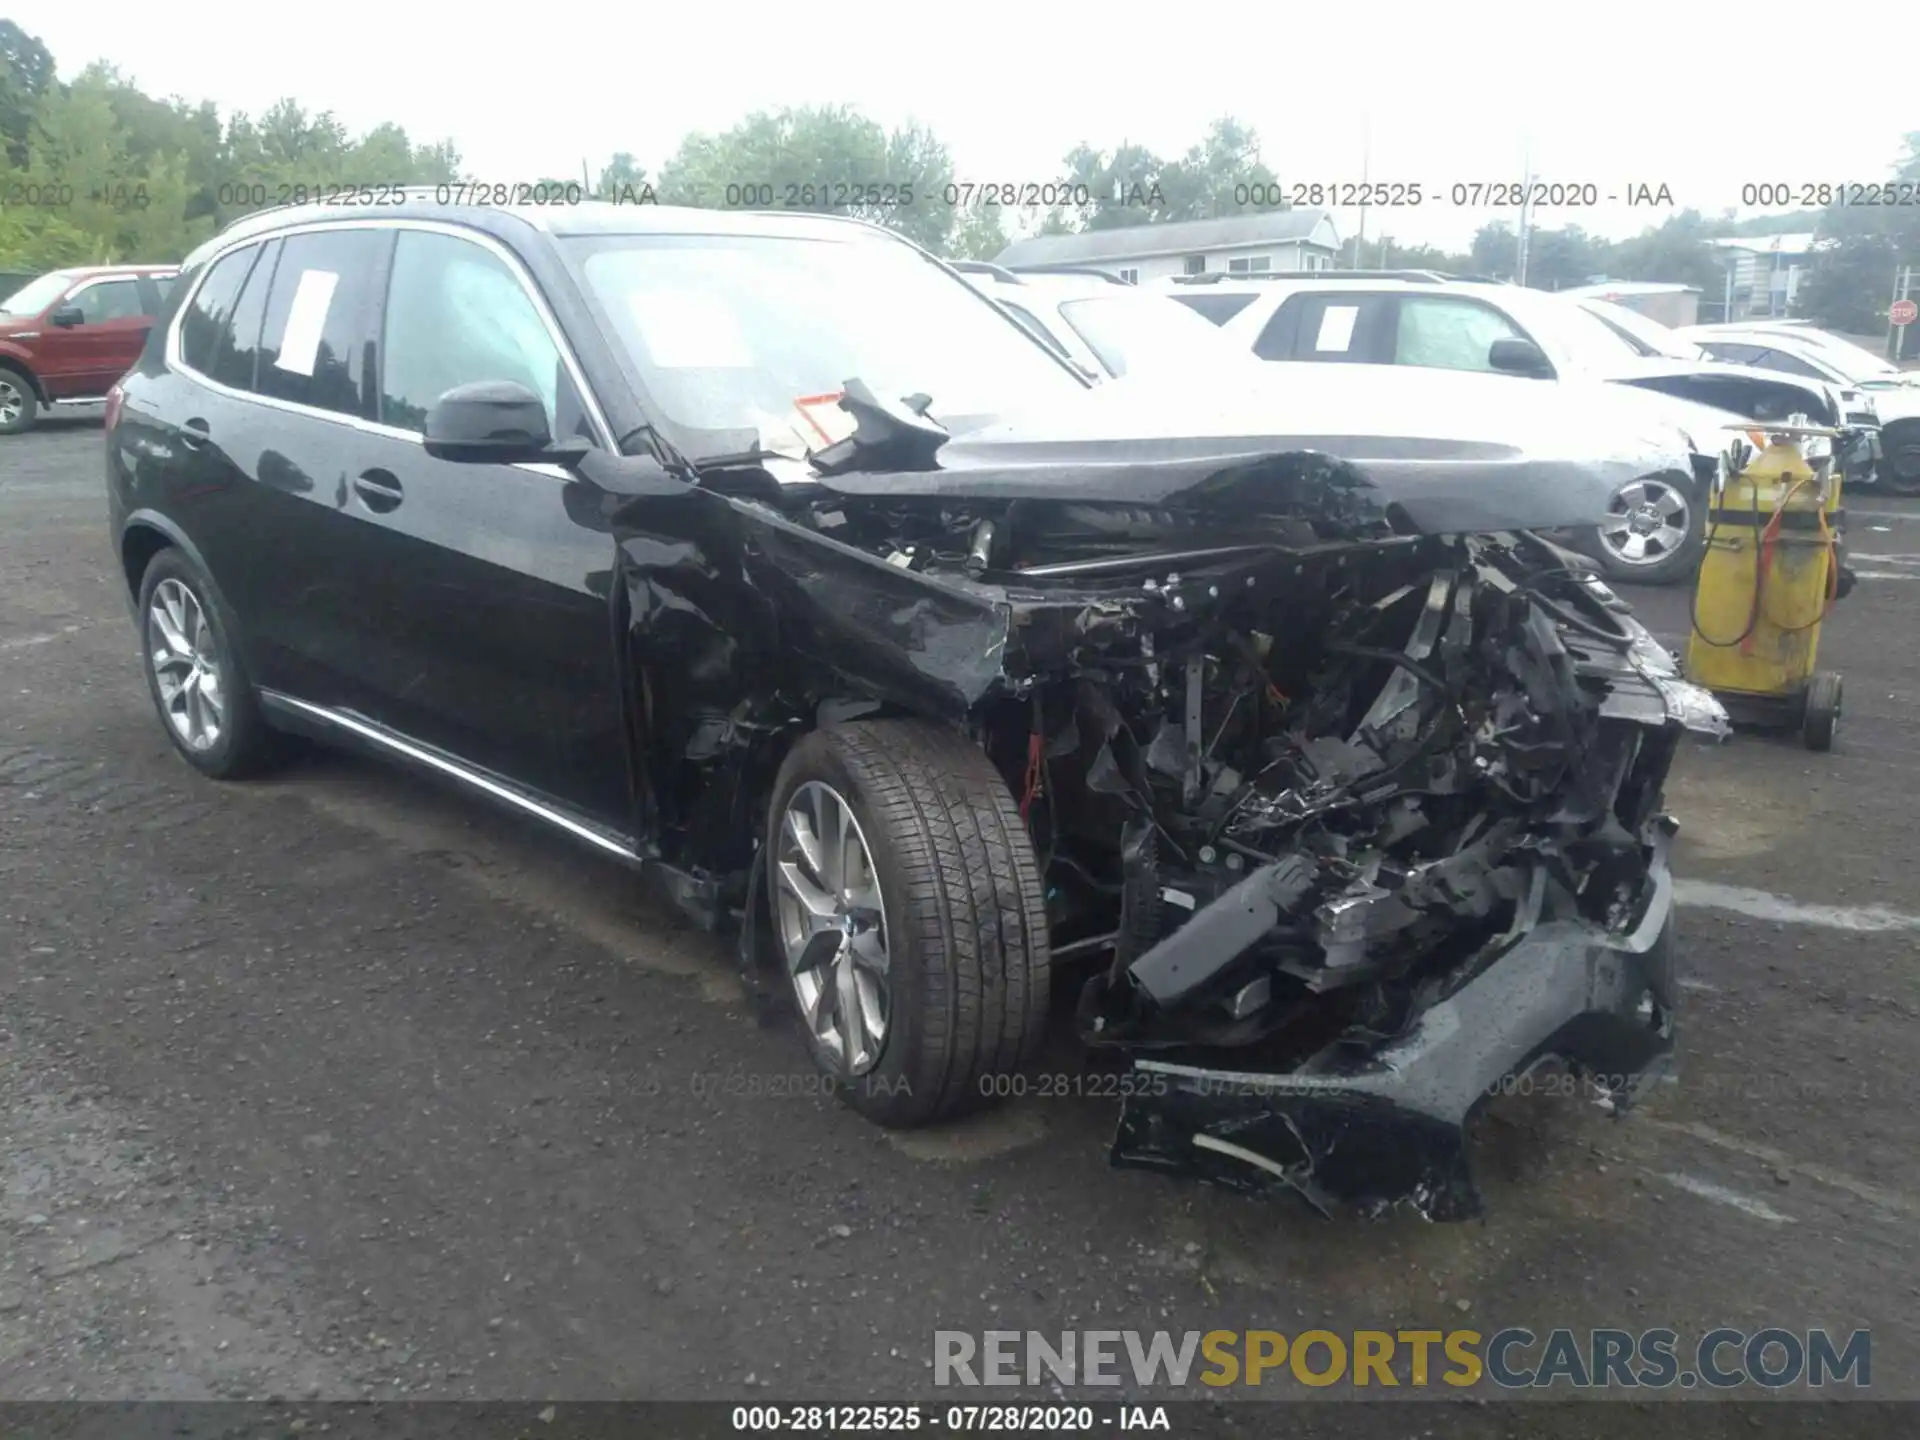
(1674, 252)
(1495, 251)
(1222, 175)
(1851, 280)
(26, 73)
(828, 159)
(978, 236)
(622, 179)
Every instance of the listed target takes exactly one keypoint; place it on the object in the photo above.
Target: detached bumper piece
(1371, 1126)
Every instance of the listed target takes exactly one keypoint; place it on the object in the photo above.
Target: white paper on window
(686, 331)
(306, 321)
(1336, 328)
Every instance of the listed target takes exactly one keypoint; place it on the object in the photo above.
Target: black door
(215, 447)
(283, 401)
(482, 621)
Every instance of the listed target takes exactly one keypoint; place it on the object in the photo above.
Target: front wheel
(1899, 469)
(18, 403)
(907, 902)
(1654, 533)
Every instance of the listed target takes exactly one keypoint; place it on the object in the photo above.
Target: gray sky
(1659, 94)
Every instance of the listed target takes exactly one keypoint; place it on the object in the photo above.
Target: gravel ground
(340, 1086)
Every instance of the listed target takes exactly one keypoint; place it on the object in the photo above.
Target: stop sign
(1903, 312)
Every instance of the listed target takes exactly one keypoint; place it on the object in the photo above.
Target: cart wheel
(1823, 711)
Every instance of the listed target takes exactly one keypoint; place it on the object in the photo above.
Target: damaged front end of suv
(1348, 803)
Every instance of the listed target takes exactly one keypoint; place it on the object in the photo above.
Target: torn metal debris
(1345, 818)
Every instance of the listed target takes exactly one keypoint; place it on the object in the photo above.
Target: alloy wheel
(12, 402)
(833, 927)
(1647, 521)
(186, 665)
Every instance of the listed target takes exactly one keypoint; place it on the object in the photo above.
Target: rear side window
(207, 318)
(318, 337)
(236, 355)
(1217, 308)
(456, 313)
(1331, 328)
(162, 288)
(1734, 354)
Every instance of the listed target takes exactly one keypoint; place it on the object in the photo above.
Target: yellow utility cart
(1768, 579)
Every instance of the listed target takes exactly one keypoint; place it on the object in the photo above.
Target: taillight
(114, 397)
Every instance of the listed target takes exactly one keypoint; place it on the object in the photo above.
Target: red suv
(66, 337)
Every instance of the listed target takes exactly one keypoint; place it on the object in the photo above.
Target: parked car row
(1621, 368)
(1251, 721)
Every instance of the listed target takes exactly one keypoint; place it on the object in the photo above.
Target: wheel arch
(17, 362)
(145, 534)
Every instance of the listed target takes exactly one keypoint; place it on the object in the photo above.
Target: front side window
(108, 300)
(456, 314)
(317, 337)
(1447, 334)
(726, 332)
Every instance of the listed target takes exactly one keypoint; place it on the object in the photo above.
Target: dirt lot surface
(341, 1086)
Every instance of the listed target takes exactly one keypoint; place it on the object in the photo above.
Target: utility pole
(1366, 155)
(1526, 216)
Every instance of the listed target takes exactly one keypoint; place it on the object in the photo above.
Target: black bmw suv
(763, 554)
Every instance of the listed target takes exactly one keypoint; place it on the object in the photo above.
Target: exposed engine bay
(1339, 822)
(1379, 754)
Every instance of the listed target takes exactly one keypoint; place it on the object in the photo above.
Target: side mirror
(489, 422)
(66, 316)
(1515, 356)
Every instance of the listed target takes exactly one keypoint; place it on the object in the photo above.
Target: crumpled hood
(1456, 452)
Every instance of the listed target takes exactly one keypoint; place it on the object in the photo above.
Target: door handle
(378, 490)
(194, 433)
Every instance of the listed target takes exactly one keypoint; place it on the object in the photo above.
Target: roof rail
(1106, 275)
(411, 192)
(1425, 277)
(982, 267)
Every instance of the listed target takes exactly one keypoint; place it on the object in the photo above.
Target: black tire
(17, 389)
(1675, 565)
(245, 745)
(1898, 470)
(1822, 716)
(968, 962)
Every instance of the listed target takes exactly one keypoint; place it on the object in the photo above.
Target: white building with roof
(1301, 239)
(1764, 272)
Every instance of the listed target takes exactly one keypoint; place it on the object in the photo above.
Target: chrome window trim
(379, 735)
(588, 400)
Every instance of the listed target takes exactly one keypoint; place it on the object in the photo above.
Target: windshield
(1647, 335)
(728, 331)
(1135, 332)
(36, 295)
(1858, 362)
(1561, 324)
